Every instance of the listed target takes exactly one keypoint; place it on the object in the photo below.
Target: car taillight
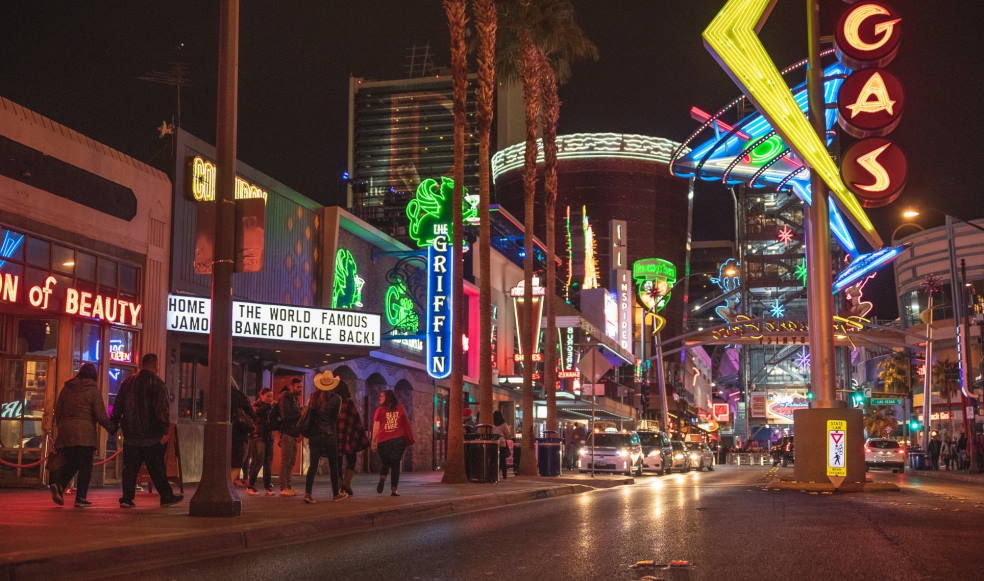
(901, 451)
(866, 449)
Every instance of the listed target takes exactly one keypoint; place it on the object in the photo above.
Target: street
(722, 523)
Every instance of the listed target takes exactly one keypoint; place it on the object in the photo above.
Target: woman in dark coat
(78, 409)
(242, 418)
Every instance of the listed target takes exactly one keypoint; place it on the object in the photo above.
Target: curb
(200, 545)
(938, 475)
(829, 488)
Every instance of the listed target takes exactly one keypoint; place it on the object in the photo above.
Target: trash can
(548, 454)
(482, 455)
(917, 460)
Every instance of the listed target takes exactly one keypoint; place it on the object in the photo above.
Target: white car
(655, 448)
(701, 456)
(884, 453)
(617, 452)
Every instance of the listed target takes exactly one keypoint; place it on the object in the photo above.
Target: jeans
(391, 455)
(503, 457)
(349, 460)
(288, 451)
(153, 457)
(78, 459)
(261, 456)
(327, 446)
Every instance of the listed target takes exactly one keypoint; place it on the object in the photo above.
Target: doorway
(24, 383)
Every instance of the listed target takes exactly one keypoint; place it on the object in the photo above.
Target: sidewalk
(947, 475)
(44, 541)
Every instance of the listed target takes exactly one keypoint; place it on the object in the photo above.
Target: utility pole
(962, 331)
(215, 495)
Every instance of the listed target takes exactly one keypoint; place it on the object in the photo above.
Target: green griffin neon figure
(431, 205)
(346, 291)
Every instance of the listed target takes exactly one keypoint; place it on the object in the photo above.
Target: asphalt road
(722, 523)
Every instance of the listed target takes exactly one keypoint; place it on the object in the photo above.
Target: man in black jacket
(290, 412)
(141, 411)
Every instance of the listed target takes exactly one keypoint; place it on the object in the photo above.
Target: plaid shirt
(352, 436)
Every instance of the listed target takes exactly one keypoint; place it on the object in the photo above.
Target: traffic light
(857, 399)
(809, 395)
(915, 425)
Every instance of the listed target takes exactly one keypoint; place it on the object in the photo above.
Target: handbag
(306, 425)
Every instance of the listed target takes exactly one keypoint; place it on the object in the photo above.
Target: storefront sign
(70, 301)
(721, 412)
(623, 281)
(757, 404)
(277, 322)
(783, 402)
(203, 179)
(346, 288)
(439, 302)
(517, 293)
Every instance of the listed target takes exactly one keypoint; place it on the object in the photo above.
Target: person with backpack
(352, 437)
(502, 429)
(288, 414)
(319, 424)
(391, 434)
(261, 443)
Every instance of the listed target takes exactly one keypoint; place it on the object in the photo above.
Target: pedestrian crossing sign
(836, 448)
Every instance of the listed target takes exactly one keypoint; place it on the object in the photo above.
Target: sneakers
(268, 492)
(340, 496)
(308, 499)
(125, 503)
(173, 500)
(379, 487)
(288, 492)
(82, 503)
(395, 492)
(251, 491)
(57, 494)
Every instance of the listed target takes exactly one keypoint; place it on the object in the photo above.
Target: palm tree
(880, 422)
(561, 42)
(896, 373)
(454, 471)
(485, 26)
(945, 378)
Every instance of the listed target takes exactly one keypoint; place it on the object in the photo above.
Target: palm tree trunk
(551, 115)
(531, 95)
(485, 25)
(454, 471)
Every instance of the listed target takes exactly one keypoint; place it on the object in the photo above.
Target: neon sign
(518, 294)
(654, 279)
(733, 40)
(346, 290)
(748, 328)
(777, 309)
(865, 265)
(431, 207)
(801, 272)
(439, 302)
(590, 252)
(203, 179)
(785, 235)
(118, 353)
(870, 103)
(868, 35)
(11, 242)
(399, 308)
(72, 301)
(728, 280)
(876, 169)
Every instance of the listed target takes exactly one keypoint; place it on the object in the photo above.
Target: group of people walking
(330, 422)
(333, 427)
(949, 453)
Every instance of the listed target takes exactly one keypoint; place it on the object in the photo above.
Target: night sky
(78, 63)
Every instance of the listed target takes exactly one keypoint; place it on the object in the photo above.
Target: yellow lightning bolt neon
(732, 37)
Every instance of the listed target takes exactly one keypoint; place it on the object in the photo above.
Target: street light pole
(215, 495)
(962, 330)
(928, 377)
(817, 226)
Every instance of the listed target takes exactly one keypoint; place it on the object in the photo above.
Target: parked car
(655, 451)
(679, 457)
(701, 456)
(884, 453)
(619, 452)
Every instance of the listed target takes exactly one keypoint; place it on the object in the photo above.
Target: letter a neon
(875, 87)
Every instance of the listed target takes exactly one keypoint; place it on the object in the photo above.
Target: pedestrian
(391, 434)
(78, 409)
(322, 429)
(935, 446)
(242, 419)
(469, 422)
(352, 437)
(261, 443)
(290, 413)
(501, 428)
(570, 450)
(142, 411)
(962, 457)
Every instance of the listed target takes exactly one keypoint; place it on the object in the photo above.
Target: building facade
(85, 253)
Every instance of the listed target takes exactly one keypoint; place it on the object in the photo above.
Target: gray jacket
(79, 408)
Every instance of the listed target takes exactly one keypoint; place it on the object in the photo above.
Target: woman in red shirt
(391, 434)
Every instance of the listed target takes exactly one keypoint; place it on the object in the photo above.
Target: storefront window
(128, 279)
(62, 259)
(107, 273)
(11, 246)
(121, 348)
(86, 346)
(38, 253)
(38, 337)
(116, 377)
(85, 267)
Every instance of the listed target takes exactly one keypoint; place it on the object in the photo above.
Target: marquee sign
(202, 180)
(654, 279)
(277, 322)
(49, 297)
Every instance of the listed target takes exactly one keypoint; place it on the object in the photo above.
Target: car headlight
(622, 452)
(678, 456)
(582, 451)
(654, 453)
(694, 457)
